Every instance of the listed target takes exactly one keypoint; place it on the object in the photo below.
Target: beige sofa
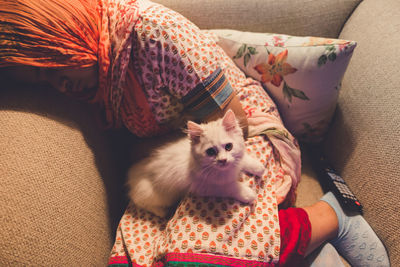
(61, 177)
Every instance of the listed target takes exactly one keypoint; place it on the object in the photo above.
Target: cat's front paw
(258, 169)
(247, 195)
(253, 166)
(159, 211)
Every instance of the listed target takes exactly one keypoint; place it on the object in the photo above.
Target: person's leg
(350, 234)
(324, 227)
(324, 224)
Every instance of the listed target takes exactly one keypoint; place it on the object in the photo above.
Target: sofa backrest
(323, 18)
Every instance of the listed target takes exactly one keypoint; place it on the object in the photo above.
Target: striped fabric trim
(214, 93)
(118, 261)
(209, 260)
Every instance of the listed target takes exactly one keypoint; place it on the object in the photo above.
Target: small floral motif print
(274, 71)
(331, 47)
(277, 41)
(315, 41)
(275, 68)
(247, 51)
(330, 54)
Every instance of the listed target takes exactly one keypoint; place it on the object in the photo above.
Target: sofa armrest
(55, 209)
(363, 142)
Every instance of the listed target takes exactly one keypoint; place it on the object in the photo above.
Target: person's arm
(211, 98)
(191, 69)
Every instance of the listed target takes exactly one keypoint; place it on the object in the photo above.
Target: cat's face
(218, 144)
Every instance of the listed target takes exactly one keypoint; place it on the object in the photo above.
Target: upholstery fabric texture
(363, 142)
(58, 182)
(284, 16)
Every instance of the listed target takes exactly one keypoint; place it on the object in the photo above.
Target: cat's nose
(222, 162)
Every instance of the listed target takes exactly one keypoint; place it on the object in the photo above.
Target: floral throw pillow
(302, 74)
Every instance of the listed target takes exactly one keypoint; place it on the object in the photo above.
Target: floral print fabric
(302, 74)
(209, 225)
(173, 69)
(170, 58)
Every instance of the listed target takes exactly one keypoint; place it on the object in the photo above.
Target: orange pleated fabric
(72, 34)
(49, 33)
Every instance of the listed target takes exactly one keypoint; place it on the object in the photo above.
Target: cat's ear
(229, 120)
(194, 130)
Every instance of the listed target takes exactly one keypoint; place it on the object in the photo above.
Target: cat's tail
(143, 195)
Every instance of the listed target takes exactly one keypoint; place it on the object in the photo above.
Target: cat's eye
(228, 147)
(211, 152)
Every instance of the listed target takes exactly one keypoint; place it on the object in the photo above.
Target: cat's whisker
(205, 162)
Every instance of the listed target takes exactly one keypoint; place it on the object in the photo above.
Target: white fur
(160, 181)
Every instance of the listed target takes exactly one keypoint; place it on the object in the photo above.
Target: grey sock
(326, 256)
(356, 240)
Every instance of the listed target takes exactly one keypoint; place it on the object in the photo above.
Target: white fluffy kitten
(208, 163)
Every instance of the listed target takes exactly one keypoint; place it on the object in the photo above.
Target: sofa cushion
(54, 164)
(363, 142)
(302, 74)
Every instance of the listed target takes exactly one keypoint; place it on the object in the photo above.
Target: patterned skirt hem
(193, 260)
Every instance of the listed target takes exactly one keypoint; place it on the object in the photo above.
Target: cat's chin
(222, 167)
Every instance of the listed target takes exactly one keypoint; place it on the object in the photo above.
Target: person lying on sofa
(145, 67)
